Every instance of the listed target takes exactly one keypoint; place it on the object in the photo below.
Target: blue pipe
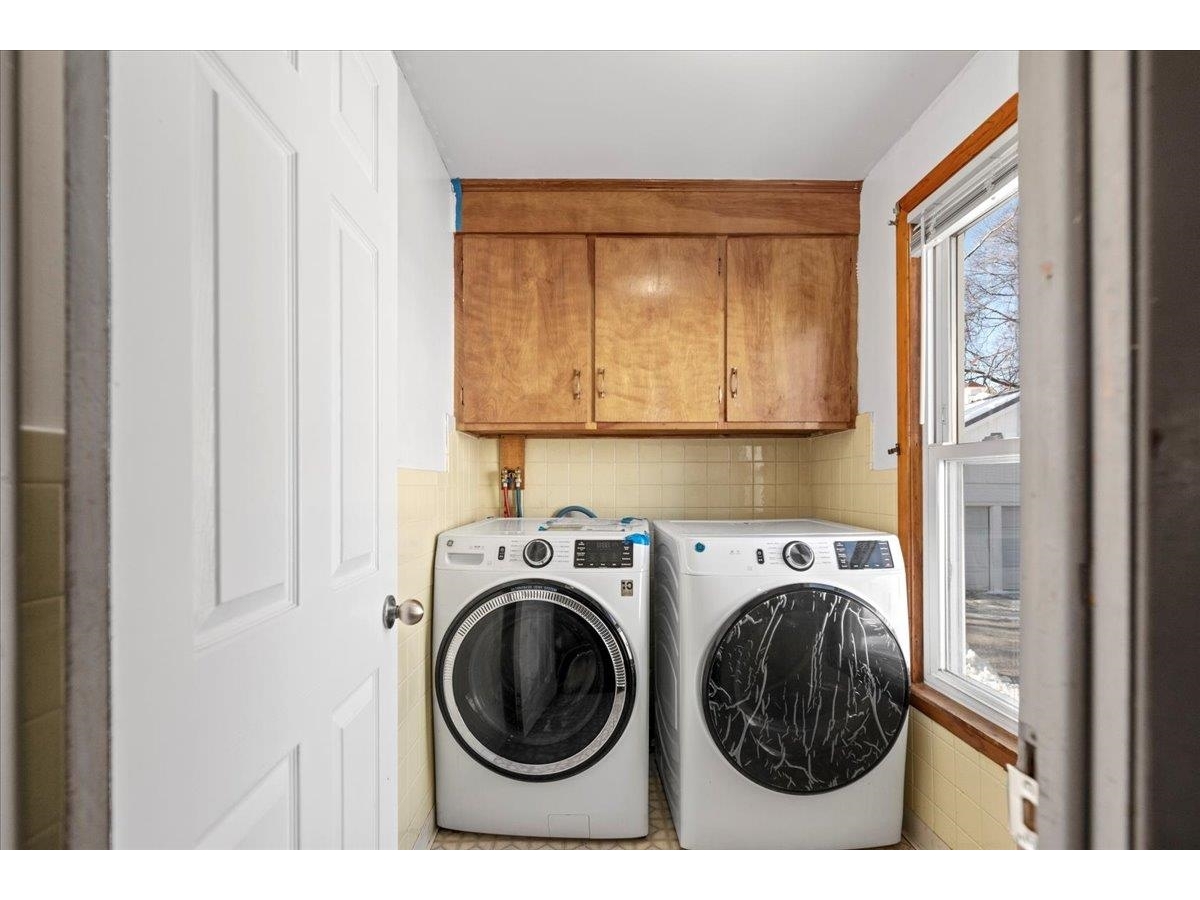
(570, 509)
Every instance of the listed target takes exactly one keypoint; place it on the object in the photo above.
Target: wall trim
(88, 295)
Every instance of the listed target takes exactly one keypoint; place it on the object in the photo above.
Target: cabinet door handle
(733, 383)
(577, 383)
(600, 383)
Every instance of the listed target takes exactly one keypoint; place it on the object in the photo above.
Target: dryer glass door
(806, 689)
(535, 681)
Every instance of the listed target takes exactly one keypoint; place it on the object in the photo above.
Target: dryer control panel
(863, 554)
(801, 556)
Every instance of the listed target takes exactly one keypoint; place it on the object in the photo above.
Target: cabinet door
(660, 311)
(793, 305)
(524, 330)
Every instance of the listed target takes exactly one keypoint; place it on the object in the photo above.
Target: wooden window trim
(990, 739)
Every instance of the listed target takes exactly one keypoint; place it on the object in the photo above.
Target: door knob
(410, 612)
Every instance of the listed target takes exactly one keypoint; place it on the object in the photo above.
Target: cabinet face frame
(534, 347)
(791, 328)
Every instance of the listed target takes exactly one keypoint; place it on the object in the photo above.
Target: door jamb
(9, 827)
(88, 305)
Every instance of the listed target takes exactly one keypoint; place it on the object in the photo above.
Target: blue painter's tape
(699, 548)
(456, 184)
(639, 537)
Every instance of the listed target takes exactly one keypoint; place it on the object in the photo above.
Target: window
(971, 398)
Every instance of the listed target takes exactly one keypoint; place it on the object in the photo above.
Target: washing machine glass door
(805, 689)
(535, 681)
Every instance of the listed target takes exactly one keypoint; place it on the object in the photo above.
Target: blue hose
(579, 509)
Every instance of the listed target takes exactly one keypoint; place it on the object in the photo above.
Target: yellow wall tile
(673, 450)
(649, 451)
(40, 666)
(650, 473)
(604, 450)
(40, 542)
(42, 759)
(429, 503)
(968, 809)
(41, 638)
(719, 450)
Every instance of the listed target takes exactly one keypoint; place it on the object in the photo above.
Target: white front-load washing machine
(541, 661)
(781, 683)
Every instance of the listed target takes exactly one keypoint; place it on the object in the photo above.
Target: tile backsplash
(841, 484)
(746, 477)
(699, 478)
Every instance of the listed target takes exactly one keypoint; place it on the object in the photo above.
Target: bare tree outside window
(991, 307)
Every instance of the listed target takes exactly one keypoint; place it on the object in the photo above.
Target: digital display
(603, 555)
(863, 554)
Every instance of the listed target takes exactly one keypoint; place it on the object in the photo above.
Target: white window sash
(942, 422)
(945, 593)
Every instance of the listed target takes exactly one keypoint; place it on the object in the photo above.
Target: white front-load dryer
(541, 661)
(781, 683)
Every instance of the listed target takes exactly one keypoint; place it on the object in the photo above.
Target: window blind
(937, 217)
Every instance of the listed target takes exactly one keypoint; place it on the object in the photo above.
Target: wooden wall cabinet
(524, 335)
(792, 341)
(660, 317)
(680, 307)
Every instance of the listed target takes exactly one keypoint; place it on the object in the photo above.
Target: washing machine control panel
(537, 553)
(543, 554)
(603, 554)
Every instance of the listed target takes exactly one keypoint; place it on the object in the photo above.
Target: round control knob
(537, 553)
(798, 555)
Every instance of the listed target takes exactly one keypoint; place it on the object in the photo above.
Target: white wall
(984, 84)
(426, 345)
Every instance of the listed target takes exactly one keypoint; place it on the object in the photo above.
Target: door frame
(9, 826)
(86, 521)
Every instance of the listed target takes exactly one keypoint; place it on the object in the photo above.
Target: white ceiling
(685, 114)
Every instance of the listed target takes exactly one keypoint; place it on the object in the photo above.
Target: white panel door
(254, 218)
